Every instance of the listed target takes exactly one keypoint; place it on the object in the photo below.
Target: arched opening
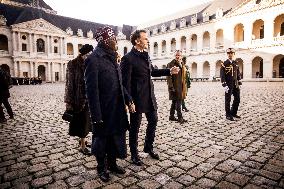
(257, 67)
(6, 68)
(173, 45)
(183, 44)
(193, 70)
(279, 26)
(164, 47)
(218, 68)
(240, 63)
(70, 50)
(239, 33)
(219, 39)
(258, 29)
(193, 42)
(278, 66)
(206, 69)
(206, 41)
(3, 43)
(41, 72)
(40, 45)
(155, 49)
(125, 50)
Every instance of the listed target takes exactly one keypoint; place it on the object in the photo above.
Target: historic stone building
(255, 28)
(36, 42)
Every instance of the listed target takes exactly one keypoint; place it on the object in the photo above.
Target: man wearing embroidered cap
(107, 101)
(230, 79)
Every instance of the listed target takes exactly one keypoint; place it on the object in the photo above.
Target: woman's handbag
(68, 116)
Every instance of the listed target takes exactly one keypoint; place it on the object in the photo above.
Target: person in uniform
(230, 79)
(188, 83)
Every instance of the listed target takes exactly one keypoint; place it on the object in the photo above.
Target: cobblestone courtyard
(206, 152)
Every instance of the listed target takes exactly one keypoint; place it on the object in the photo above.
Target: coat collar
(143, 54)
(103, 50)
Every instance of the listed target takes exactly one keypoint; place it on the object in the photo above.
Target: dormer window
(163, 28)
(173, 25)
(182, 23)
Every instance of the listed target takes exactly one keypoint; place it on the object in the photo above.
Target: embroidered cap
(104, 33)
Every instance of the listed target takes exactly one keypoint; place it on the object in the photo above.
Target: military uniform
(230, 77)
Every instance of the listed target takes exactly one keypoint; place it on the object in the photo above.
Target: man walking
(107, 103)
(230, 79)
(137, 70)
(177, 88)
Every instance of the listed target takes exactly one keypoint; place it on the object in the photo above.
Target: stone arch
(183, 44)
(155, 48)
(206, 70)
(240, 63)
(173, 45)
(41, 72)
(3, 42)
(193, 42)
(206, 40)
(239, 33)
(279, 25)
(258, 29)
(164, 46)
(257, 67)
(40, 44)
(219, 39)
(218, 67)
(70, 49)
(278, 66)
(193, 70)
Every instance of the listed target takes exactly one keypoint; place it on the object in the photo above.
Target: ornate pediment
(194, 19)
(69, 31)
(121, 36)
(163, 28)
(80, 32)
(39, 25)
(173, 25)
(90, 34)
(182, 23)
(253, 6)
(3, 20)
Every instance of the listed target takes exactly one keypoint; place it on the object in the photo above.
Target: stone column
(61, 46)
(268, 30)
(20, 74)
(31, 69)
(247, 68)
(64, 46)
(30, 43)
(248, 33)
(52, 72)
(19, 42)
(14, 42)
(178, 43)
(61, 71)
(15, 68)
(199, 42)
(168, 47)
(151, 50)
(36, 69)
(199, 69)
(212, 70)
(188, 45)
(159, 49)
(267, 67)
(47, 45)
(48, 72)
(212, 41)
(35, 45)
(51, 48)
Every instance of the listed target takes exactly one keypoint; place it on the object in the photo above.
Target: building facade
(36, 42)
(255, 28)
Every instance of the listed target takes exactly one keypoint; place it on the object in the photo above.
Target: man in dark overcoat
(230, 79)
(177, 88)
(5, 82)
(137, 70)
(107, 102)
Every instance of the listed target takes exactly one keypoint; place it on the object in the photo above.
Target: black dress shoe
(152, 154)
(117, 169)
(136, 161)
(230, 118)
(185, 109)
(104, 176)
(181, 120)
(173, 119)
(237, 116)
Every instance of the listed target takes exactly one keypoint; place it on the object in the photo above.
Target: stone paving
(206, 152)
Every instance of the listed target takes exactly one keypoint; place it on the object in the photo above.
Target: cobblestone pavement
(206, 152)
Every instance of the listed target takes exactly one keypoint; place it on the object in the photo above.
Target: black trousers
(236, 93)
(183, 104)
(135, 122)
(176, 105)
(7, 105)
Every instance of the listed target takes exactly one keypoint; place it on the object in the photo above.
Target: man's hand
(174, 70)
(131, 108)
(226, 88)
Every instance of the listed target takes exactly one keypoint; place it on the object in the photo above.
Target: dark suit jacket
(106, 96)
(136, 71)
(230, 74)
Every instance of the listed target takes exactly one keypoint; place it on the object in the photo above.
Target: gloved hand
(226, 88)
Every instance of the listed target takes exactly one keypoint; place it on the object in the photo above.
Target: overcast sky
(118, 12)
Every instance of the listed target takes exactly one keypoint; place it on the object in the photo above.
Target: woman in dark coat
(75, 98)
(107, 102)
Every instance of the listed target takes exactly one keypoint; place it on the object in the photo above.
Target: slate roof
(15, 15)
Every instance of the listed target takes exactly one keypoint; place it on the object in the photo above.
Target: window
(55, 49)
(24, 47)
(40, 45)
(56, 76)
(261, 32)
(25, 74)
(3, 43)
(24, 37)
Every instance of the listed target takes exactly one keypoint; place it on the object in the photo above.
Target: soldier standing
(230, 78)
